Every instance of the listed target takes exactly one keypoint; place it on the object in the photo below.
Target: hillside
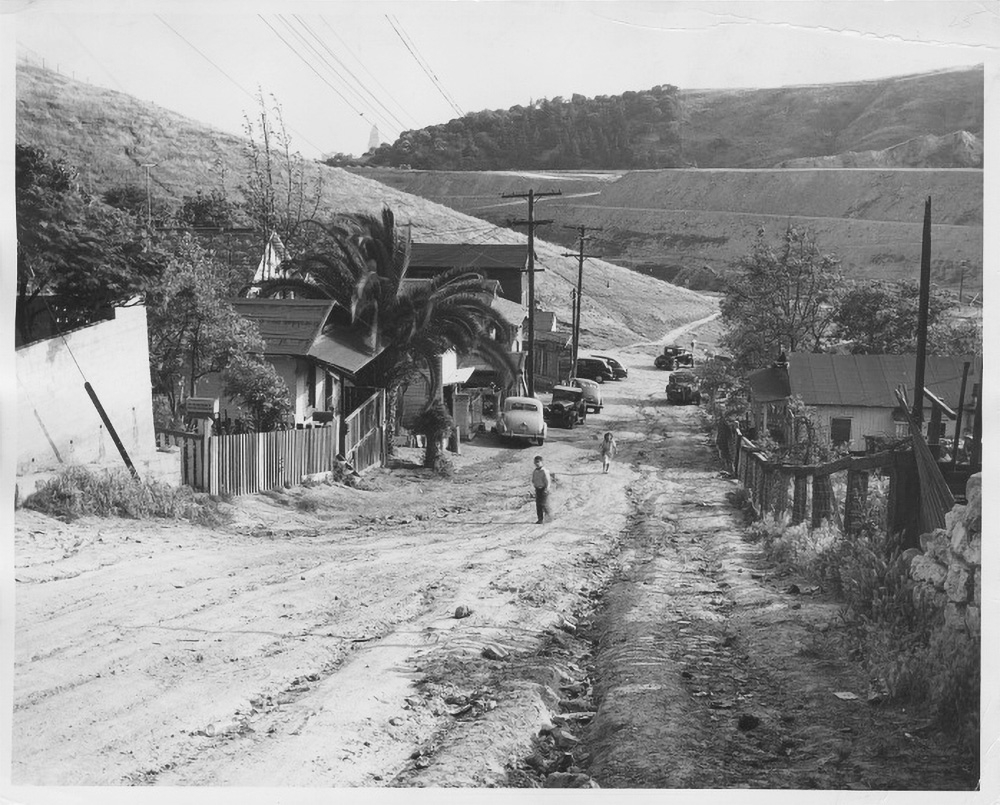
(109, 135)
(691, 225)
(666, 127)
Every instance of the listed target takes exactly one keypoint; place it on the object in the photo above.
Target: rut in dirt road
(711, 670)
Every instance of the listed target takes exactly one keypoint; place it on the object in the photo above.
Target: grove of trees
(631, 130)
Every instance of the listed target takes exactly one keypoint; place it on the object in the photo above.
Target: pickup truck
(674, 357)
(568, 407)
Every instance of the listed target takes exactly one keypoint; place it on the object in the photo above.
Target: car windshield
(682, 377)
(522, 406)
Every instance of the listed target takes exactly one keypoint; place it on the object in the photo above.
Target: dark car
(594, 369)
(683, 389)
(674, 357)
(617, 368)
(568, 407)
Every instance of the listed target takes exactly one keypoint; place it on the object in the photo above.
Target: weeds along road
(313, 640)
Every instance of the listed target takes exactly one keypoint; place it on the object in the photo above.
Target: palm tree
(361, 262)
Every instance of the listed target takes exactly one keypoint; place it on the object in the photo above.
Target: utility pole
(925, 294)
(579, 288)
(531, 223)
(149, 199)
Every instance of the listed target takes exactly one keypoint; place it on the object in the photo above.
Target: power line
(236, 83)
(370, 73)
(311, 49)
(350, 72)
(412, 48)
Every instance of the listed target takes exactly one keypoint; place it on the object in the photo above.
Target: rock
(396, 721)
(935, 544)
(973, 620)
(927, 595)
(967, 547)
(462, 611)
(574, 705)
(956, 584)
(974, 503)
(977, 588)
(492, 651)
(927, 570)
(908, 556)
(954, 616)
(564, 739)
(792, 589)
(582, 717)
(748, 722)
(567, 625)
(561, 779)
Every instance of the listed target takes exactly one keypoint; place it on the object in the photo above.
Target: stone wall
(948, 571)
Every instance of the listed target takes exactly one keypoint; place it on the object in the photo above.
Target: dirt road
(313, 641)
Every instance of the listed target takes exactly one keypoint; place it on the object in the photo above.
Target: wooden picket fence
(364, 433)
(245, 463)
(192, 454)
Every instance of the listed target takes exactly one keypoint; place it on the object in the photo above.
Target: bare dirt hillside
(108, 135)
(673, 221)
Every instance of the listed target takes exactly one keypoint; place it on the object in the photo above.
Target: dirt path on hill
(313, 642)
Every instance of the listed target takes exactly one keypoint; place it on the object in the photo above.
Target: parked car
(591, 393)
(683, 388)
(522, 418)
(674, 357)
(618, 369)
(568, 407)
(594, 369)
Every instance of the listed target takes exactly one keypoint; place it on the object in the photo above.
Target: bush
(435, 424)
(78, 491)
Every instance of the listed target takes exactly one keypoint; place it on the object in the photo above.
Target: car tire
(541, 440)
(599, 379)
(598, 409)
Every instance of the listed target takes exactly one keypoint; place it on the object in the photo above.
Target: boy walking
(541, 480)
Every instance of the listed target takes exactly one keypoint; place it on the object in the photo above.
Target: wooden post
(857, 499)
(934, 432)
(799, 499)
(822, 508)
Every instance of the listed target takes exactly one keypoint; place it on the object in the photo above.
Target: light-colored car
(522, 418)
(591, 393)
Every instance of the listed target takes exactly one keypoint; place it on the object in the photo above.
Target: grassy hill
(691, 225)
(109, 136)
(758, 128)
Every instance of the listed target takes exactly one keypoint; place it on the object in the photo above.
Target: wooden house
(502, 262)
(317, 358)
(854, 398)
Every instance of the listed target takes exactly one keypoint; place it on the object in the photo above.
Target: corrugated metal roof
(871, 380)
(288, 326)
(465, 255)
(344, 348)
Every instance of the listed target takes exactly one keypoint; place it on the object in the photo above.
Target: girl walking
(608, 449)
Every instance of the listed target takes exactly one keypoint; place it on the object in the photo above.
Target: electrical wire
(236, 83)
(412, 48)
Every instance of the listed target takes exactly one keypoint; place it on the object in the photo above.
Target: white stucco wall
(57, 422)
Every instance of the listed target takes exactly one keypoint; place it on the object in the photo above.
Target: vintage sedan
(683, 389)
(522, 418)
(618, 369)
(591, 393)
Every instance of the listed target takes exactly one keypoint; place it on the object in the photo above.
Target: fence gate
(192, 450)
(364, 433)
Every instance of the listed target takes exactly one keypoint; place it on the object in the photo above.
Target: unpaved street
(313, 641)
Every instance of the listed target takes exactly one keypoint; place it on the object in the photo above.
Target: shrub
(77, 491)
(435, 424)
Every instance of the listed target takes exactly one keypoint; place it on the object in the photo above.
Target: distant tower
(374, 141)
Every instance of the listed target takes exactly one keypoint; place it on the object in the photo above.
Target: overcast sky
(338, 68)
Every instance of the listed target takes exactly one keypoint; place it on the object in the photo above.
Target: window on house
(840, 430)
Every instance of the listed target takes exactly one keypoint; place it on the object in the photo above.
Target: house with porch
(854, 397)
(314, 349)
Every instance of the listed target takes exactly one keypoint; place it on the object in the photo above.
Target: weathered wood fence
(364, 433)
(806, 492)
(192, 454)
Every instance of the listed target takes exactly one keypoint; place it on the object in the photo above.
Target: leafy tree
(74, 246)
(258, 387)
(881, 317)
(210, 209)
(133, 199)
(361, 262)
(195, 331)
(779, 299)
(435, 424)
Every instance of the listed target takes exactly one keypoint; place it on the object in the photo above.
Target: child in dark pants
(541, 480)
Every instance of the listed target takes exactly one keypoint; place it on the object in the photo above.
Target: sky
(339, 68)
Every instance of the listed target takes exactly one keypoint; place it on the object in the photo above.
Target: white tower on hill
(373, 139)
